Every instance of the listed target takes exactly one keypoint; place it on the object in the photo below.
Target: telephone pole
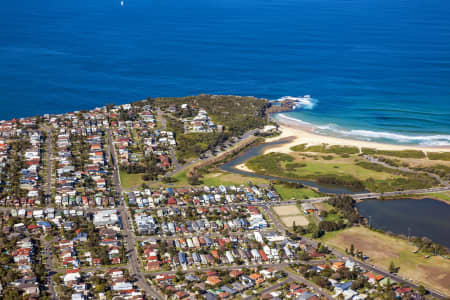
(409, 233)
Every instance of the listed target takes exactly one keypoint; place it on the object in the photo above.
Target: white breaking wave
(398, 137)
(435, 143)
(305, 102)
(368, 135)
(283, 116)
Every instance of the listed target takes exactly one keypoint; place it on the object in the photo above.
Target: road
(361, 196)
(269, 289)
(210, 235)
(275, 265)
(404, 169)
(398, 279)
(48, 180)
(46, 245)
(133, 261)
(179, 168)
(173, 157)
(275, 221)
(316, 288)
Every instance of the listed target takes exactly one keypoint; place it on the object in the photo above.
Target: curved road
(404, 169)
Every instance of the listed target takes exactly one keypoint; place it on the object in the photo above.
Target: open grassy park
(129, 181)
(382, 249)
(308, 166)
(288, 192)
(227, 179)
(444, 196)
(215, 178)
(337, 165)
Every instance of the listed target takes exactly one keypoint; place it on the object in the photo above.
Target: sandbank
(304, 134)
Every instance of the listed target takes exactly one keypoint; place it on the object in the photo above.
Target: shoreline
(412, 196)
(244, 168)
(305, 134)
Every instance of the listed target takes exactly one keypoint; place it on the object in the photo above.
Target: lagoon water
(424, 217)
(378, 69)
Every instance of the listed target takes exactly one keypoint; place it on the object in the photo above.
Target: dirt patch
(437, 276)
(287, 210)
(371, 247)
(381, 249)
(299, 220)
(215, 174)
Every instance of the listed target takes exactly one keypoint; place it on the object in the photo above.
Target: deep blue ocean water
(372, 65)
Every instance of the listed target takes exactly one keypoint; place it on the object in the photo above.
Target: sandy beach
(243, 167)
(304, 134)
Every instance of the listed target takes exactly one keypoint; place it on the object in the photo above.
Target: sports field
(290, 214)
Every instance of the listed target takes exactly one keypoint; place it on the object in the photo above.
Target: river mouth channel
(259, 149)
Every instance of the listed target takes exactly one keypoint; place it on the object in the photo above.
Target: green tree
(421, 290)
(100, 288)
(392, 268)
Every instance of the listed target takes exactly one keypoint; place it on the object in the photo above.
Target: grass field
(287, 193)
(445, 196)
(333, 214)
(343, 170)
(338, 165)
(302, 165)
(214, 178)
(382, 249)
(181, 177)
(129, 181)
(290, 214)
(219, 178)
(225, 178)
(395, 153)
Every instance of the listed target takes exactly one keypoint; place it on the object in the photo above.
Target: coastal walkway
(404, 169)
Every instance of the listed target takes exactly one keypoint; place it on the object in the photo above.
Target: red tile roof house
(372, 278)
(153, 265)
(115, 260)
(34, 228)
(96, 261)
(402, 291)
(213, 280)
(181, 295)
(236, 273)
(172, 201)
(296, 293)
(165, 163)
(257, 278)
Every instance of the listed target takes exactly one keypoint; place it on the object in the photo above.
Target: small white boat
(121, 3)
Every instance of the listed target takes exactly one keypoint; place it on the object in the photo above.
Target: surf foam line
(368, 135)
(305, 102)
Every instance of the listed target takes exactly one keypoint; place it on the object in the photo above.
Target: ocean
(376, 69)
